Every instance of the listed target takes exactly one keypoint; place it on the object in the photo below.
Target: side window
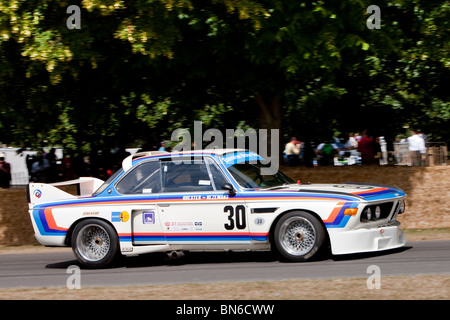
(217, 176)
(185, 176)
(145, 178)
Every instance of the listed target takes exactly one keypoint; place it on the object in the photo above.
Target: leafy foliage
(137, 70)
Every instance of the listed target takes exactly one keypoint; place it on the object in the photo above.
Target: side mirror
(229, 187)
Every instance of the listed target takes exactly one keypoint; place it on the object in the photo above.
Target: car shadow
(164, 259)
(193, 258)
(62, 264)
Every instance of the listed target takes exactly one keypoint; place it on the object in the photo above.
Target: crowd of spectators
(345, 149)
(355, 148)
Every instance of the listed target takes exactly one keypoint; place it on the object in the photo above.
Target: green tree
(136, 70)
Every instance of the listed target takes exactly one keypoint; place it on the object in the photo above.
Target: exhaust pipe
(175, 255)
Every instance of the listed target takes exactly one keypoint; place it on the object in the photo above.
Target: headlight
(377, 212)
(366, 215)
(369, 214)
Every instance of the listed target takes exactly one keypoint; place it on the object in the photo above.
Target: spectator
(292, 151)
(352, 140)
(416, 147)
(327, 151)
(53, 165)
(39, 169)
(163, 146)
(5, 172)
(348, 142)
(309, 153)
(423, 136)
(366, 147)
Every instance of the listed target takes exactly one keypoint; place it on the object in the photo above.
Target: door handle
(164, 204)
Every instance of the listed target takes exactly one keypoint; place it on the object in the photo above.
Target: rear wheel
(298, 236)
(95, 243)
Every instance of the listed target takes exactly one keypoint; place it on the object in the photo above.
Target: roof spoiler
(127, 163)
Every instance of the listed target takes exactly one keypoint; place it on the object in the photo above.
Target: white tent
(19, 170)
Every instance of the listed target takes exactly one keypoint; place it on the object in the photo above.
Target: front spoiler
(366, 240)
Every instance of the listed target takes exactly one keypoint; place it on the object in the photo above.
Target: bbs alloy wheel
(298, 236)
(95, 243)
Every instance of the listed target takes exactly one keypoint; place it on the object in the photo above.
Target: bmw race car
(212, 200)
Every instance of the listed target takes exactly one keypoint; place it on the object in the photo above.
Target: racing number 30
(236, 217)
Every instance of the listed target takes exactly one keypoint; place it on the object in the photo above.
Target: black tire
(298, 236)
(95, 243)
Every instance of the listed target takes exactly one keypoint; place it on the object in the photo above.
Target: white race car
(212, 200)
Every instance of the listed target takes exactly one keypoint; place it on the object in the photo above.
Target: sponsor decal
(238, 157)
(117, 216)
(192, 197)
(90, 213)
(204, 182)
(124, 216)
(259, 221)
(37, 193)
(148, 217)
(206, 197)
(184, 225)
(216, 196)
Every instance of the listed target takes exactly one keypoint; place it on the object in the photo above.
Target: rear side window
(185, 176)
(145, 178)
(106, 184)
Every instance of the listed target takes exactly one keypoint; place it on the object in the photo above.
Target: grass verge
(432, 287)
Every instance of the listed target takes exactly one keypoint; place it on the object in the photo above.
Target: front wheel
(95, 243)
(298, 236)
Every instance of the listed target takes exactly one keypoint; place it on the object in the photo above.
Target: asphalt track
(49, 269)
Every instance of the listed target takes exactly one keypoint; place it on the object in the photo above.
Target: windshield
(253, 175)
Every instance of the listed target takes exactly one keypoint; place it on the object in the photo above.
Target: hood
(368, 192)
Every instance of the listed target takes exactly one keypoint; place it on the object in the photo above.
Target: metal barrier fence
(436, 155)
(20, 178)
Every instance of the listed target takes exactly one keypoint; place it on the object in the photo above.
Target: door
(194, 210)
(140, 189)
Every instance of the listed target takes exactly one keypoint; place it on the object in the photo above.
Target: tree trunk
(270, 118)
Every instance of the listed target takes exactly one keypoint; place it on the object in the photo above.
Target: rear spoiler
(45, 192)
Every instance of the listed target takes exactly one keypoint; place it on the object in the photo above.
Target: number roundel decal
(236, 217)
